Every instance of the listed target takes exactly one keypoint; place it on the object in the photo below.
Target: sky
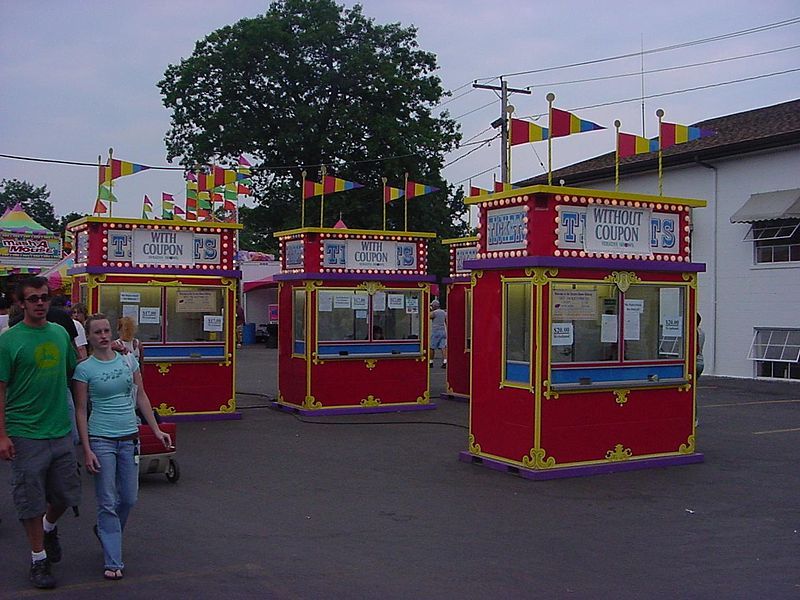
(77, 78)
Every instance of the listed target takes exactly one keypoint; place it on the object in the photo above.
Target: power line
(455, 160)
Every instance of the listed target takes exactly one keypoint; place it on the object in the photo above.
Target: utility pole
(502, 122)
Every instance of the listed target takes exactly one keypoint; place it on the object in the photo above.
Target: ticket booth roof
(160, 222)
(355, 232)
(571, 191)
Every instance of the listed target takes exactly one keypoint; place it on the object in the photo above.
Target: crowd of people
(55, 362)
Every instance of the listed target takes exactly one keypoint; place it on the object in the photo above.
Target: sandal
(112, 574)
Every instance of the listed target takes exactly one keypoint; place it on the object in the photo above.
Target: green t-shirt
(34, 362)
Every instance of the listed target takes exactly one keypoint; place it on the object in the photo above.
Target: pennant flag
(99, 207)
(190, 176)
(565, 123)
(312, 188)
(331, 184)
(499, 186)
(228, 205)
(476, 191)
(105, 193)
(630, 145)
(414, 189)
(179, 212)
(672, 133)
(103, 175)
(121, 168)
(525, 132)
(203, 201)
(224, 176)
(244, 190)
(167, 206)
(205, 182)
(243, 163)
(231, 192)
(392, 193)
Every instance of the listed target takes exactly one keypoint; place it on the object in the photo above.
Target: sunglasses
(34, 298)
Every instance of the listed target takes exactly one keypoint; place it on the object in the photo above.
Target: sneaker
(444, 365)
(52, 546)
(41, 577)
(430, 364)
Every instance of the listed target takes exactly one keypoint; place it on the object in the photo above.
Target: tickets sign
(164, 247)
(506, 229)
(381, 255)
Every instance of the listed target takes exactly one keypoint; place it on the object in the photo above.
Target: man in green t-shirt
(36, 359)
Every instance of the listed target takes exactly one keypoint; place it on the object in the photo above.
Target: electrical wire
(455, 160)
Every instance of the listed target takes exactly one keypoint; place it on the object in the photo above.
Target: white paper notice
(634, 305)
(396, 301)
(562, 334)
(632, 325)
(360, 302)
(379, 302)
(131, 310)
(672, 327)
(134, 297)
(412, 306)
(361, 314)
(325, 302)
(342, 301)
(608, 329)
(150, 315)
(212, 322)
(669, 312)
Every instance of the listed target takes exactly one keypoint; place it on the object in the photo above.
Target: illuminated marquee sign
(463, 254)
(506, 229)
(164, 247)
(382, 255)
(293, 252)
(659, 229)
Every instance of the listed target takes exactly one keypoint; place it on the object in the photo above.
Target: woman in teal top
(110, 435)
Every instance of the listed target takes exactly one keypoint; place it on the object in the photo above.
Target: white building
(748, 236)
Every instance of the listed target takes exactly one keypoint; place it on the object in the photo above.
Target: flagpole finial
(550, 97)
(659, 113)
(304, 173)
(617, 123)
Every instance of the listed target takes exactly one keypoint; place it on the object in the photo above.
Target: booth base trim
(583, 471)
(351, 410)
(454, 396)
(178, 418)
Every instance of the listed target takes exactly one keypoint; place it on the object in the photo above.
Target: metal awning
(769, 206)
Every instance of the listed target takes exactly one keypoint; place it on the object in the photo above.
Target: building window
(776, 353)
(776, 241)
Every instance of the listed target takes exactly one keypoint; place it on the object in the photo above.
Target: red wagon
(153, 457)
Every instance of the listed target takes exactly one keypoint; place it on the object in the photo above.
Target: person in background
(5, 306)
(36, 359)
(701, 341)
(126, 328)
(79, 313)
(438, 334)
(110, 435)
(239, 325)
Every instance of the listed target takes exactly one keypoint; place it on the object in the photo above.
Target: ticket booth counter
(178, 281)
(354, 308)
(459, 317)
(583, 358)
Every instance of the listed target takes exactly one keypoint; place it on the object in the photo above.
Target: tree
(309, 83)
(34, 201)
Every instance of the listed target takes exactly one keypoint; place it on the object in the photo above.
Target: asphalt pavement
(378, 506)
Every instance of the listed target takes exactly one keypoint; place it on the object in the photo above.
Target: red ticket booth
(178, 281)
(583, 358)
(354, 308)
(459, 316)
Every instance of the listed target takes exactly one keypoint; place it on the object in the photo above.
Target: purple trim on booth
(456, 279)
(584, 263)
(632, 464)
(351, 410)
(352, 277)
(234, 416)
(233, 273)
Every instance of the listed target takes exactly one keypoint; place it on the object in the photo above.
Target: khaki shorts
(44, 472)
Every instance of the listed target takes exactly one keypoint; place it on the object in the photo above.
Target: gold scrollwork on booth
(164, 411)
(691, 278)
(619, 453)
(473, 447)
(172, 283)
(685, 387)
(424, 286)
(229, 407)
(425, 398)
(371, 362)
(164, 368)
(623, 279)
(372, 286)
(622, 396)
(474, 276)
(96, 281)
(688, 447)
(315, 360)
(541, 275)
(547, 392)
(311, 403)
(310, 286)
(370, 401)
(229, 283)
(536, 459)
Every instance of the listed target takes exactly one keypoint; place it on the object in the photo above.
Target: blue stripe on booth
(604, 374)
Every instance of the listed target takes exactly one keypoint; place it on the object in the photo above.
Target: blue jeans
(116, 487)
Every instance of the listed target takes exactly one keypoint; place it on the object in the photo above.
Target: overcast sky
(79, 77)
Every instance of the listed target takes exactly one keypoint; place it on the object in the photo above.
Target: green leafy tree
(311, 82)
(34, 201)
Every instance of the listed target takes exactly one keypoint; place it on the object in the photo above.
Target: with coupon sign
(382, 255)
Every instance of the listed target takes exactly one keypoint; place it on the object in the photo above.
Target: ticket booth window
(343, 315)
(395, 315)
(654, 323)
(141, 302)
(187, 308)
(517, 323)
(299, 321)
(585, 323)
(468, 320)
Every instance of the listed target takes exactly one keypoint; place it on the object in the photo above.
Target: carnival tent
(25, 245)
